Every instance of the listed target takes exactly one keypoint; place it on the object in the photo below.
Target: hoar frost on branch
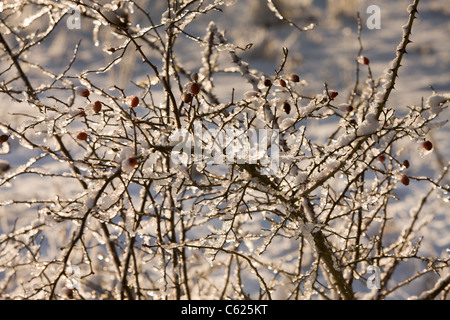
(167, 187)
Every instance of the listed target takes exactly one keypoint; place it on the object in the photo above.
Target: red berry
(83, 92)
(283, 83)
(406, 164)
(267, 82)
(132, 101)
(97, 106)
(111, 50)
(405, 180)
(68, 293)
(427, 145)
(186, 97)
(82, 113)
(132, 162)
(363, 60)
(287, 107)
(82, 136)
(4, 138)
(382, 158)
(333, 94)
(193, 88)
(349, 108)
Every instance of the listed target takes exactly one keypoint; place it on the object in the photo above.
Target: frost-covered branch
(440, 286)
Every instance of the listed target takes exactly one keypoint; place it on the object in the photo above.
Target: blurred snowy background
(325, 54)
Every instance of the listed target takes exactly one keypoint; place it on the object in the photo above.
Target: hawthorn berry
(83, 92)
(82, 136)
(381, 158)
(132, 161)
(333, 94)
(349, 108)
(81, 113)
(406, 164)
(186, 97)
(405, 180)
(293, 77)
(97, 106)
(4, 166)
(287, 107)
(363, 60)
(132, 101)
(283, 83)
(193, 88)
(267, 82)
(3, 138)
(68, 293)
(428, 145)
(129, 162)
